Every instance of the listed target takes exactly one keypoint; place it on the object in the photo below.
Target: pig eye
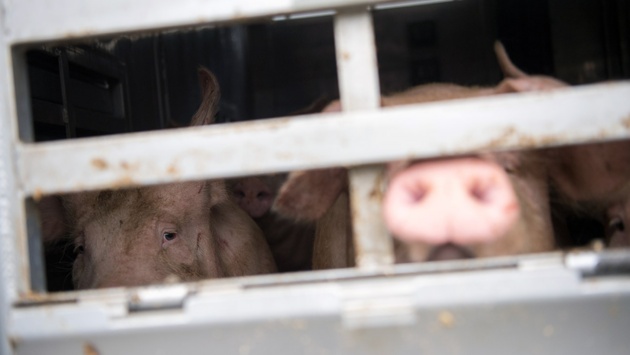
(79, 242)
(616, 225)
(78, 249)
(169, 236)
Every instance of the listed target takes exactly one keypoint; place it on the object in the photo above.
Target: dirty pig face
(142, 236)
(501, 204)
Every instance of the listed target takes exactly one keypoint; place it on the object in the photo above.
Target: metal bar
(552, 311)
(29, 21)
(22, 89)
(372, 243)
(356, 60)
(13, 276)
(589, 113)
(359, 90)
(37, 265)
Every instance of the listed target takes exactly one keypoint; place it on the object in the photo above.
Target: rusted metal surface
(372, 244)
(589, 113)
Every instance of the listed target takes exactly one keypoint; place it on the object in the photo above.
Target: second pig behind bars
(474, 206)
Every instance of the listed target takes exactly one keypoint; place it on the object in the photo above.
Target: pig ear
(307, 195)
(519, 81)
(210, 95)
(507, 67)
(52, 217)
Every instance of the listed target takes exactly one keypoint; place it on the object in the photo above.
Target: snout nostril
(481, 192)
(263, 195)
(417, 193)
(238, 193)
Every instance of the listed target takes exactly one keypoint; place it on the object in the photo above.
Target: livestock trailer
(85, 86)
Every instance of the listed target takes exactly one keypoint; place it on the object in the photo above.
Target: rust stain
(521, 139)
(626, 122)
(172, 170)
(501, 139)
(37, 194)
(124, 181)
(376, 192)
(124, 165)
(34, 297)
(14, 341)
(446, 319)
(135, 298)
(345, 56)
(597, 245)
(528, 141)
(99, 163)
(602, 134)
(89, 349)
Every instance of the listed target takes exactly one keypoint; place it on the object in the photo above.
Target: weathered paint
(588, 113)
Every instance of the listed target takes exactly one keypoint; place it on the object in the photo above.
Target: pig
(438, 209)
(594, 179)
(185, 231)
(291, 242)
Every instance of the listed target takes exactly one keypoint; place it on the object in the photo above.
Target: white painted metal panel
(542, 310)
(29, 21)
(343, 139)
(12, 223)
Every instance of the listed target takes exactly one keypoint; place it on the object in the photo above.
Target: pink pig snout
(253, 196)
(459, 201)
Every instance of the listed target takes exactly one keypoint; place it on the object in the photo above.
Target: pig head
(185, 231)
(291, 242)
(475, 206)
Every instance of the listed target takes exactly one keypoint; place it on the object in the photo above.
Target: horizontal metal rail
(551, 310)
(595, 112)
(29, 21)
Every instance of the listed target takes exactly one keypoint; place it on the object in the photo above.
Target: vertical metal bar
(14, 278)
(7, 257)
(37, 265)
(68, 110)
(356, 60)
(23, 107)
(359, 89)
